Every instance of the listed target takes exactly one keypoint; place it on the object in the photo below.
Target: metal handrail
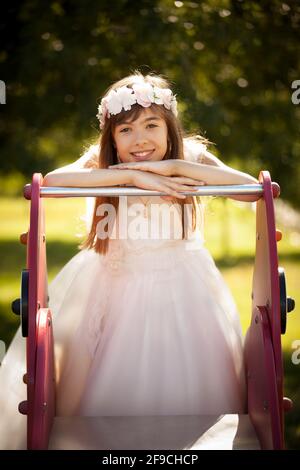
(228, 190)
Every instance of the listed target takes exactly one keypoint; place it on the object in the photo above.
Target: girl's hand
(162, 167)
(169, 185)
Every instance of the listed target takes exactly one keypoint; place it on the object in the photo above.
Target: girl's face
(145, 138)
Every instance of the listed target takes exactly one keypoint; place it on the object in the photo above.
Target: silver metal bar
(228, 190)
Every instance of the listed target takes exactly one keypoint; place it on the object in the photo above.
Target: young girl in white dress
(144, 323)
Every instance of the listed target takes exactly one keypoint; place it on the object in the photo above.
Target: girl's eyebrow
(151, 118)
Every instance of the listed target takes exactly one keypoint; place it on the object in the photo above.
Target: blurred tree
(232, 64)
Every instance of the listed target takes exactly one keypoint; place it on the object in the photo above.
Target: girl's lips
(141, 156)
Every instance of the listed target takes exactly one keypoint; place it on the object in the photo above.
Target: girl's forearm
(213, 175)
(88, 178)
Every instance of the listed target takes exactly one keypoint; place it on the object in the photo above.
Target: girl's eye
(126, 129)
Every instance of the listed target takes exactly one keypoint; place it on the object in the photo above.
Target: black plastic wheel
(283, 303)
(24, 302)
(287, 304)
(20, 306)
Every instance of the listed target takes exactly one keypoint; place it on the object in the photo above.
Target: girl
(144, 324)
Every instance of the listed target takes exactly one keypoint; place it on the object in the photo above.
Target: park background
(232, 65)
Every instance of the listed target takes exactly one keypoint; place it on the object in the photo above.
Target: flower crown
(143, 94)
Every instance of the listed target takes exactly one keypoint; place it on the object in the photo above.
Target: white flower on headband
(102, 112)
(114, 102)
(143, 94)
(165, 97)
(119, 99)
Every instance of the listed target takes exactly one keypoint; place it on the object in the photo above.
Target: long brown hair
(107, 154)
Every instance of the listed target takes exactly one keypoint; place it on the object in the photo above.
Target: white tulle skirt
(152, 331)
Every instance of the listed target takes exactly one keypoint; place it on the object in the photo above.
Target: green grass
(230, 237)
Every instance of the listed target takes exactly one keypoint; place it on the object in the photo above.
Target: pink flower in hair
(144, 94)
(122, 98)
(165, 97)
(114, 104)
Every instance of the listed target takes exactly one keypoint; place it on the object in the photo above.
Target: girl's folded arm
(214, 172)
(84, 173)
(69, 176)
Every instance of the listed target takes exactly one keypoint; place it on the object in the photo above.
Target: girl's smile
(142, 156)
(144, 139)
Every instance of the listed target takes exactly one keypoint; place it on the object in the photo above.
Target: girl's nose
(140, 138)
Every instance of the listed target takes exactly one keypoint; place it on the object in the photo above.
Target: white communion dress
(150, 328)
